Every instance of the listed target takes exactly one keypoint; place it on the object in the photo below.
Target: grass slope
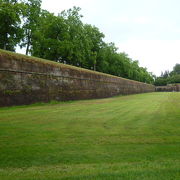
(126, 137)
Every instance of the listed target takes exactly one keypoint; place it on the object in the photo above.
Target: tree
(166, 74)
(11, 33)
(92, 43)
(176, 69)
(31, 22)
(59, 38)
(51, 38)
(159, 81)
(174, 79)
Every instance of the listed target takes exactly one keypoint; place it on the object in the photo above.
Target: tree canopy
(11, 33)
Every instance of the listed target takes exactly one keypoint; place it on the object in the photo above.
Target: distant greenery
(169, 77)
(127, 137)
(63, 38)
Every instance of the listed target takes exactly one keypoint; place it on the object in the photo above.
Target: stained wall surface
(168, 88)
(26, 80)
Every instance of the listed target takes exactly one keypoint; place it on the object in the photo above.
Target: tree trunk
(28, 43)
(94, 66)
(27, 48)
(4, 46)
(5, 42)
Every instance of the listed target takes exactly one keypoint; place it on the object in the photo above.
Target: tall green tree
(50, 40)
(93, 42)
(74, 24)
(176, 69)
(31, 19)
(11, 33)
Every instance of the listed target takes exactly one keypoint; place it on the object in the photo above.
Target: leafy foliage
(31, 22)
(169, 77)
(11, 32)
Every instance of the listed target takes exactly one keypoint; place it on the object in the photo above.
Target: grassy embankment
(126, 137)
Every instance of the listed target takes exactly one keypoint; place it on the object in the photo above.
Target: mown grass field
(125, 137)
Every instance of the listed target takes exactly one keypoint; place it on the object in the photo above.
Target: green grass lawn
(125, 137)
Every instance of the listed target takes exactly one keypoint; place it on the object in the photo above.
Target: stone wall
(26, 80)
(168, 88)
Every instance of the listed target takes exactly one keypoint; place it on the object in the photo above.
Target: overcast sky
(147, 30)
